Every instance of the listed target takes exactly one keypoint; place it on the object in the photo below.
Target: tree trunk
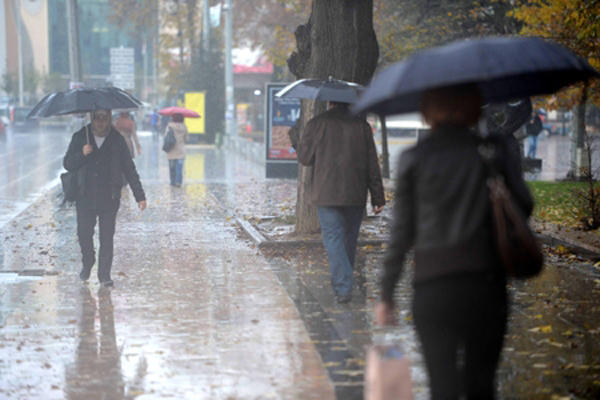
(385, 155)
(578, 139)
(339, 41)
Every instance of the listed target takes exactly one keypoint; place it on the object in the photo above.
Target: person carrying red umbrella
(176, 154)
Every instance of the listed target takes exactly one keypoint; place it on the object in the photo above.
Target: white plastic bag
(387, 375)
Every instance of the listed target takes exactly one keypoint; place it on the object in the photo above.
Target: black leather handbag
(517, 246)
(170, 141)
(69, 186)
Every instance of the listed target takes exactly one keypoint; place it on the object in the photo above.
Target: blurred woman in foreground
(442, 208)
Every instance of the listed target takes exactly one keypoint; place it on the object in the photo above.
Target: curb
(547, 238)
(583, 250)
(262, 242)
(259, 239)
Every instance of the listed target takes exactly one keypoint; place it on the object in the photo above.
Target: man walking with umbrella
(341, 149)
(99, 156)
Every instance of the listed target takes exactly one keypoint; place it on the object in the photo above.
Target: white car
(5, 114)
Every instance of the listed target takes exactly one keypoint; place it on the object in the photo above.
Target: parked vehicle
(5, 114)
(19, 122)
(407, 126)
(556, 127)
(2, 128)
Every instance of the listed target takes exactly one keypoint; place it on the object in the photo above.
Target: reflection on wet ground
(198, 312)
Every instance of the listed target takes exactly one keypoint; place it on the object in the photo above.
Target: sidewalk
(552, 348)
(196, 313)
(200, 312)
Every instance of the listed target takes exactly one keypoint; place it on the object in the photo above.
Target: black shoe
(108, 283)
(343, 298)
(84, 275)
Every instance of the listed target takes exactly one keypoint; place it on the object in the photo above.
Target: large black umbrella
(323, 90)
(79, 101)
(503, 67)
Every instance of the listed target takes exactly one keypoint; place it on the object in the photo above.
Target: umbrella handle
(87, 132)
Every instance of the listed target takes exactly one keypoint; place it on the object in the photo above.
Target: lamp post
(73, 37)
(229, 102)
(205, 28)
(20, 50)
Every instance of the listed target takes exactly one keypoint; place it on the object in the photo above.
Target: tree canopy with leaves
(576, 25)
(406, 26)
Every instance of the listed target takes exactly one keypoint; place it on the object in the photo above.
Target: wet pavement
(199, 312)
(196, 312)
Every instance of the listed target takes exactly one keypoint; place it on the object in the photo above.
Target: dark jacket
(442, 208)
(114, 154)
(534, 126)
(341, 149)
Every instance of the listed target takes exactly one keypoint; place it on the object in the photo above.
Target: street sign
(122, 51)
(122, 67)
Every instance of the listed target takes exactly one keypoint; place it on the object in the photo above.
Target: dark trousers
(86, 222)
(461, 323)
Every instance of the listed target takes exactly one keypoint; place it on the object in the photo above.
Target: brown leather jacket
(341, 149)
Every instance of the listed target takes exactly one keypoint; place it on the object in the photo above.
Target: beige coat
(126, 128)
(182, 136)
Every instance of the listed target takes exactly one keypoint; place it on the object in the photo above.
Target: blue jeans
(340, 227)
(532, 148)
(176, 171)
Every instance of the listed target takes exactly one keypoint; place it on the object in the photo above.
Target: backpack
(170, 141)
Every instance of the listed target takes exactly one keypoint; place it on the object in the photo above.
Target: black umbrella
(322, 89)
(506, 117)
(504, 68)
(79, 101)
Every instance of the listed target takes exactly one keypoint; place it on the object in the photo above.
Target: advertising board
(281, 115)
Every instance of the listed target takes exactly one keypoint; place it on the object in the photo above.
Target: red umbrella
(169, 111)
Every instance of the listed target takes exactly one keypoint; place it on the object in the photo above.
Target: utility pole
(229, 103)
(206, 28)
(20, 49)
(73, 35)
(145, 56)
(155, 57)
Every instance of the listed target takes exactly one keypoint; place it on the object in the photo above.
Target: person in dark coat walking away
(99, 155)
(534, 128)
(341, 149)
(442, 209)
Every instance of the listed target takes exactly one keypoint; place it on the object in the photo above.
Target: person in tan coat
(126, 128)
(177, 154)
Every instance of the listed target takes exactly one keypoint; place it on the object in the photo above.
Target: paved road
(30, 163)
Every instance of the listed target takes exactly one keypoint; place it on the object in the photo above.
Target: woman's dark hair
(339, 104)
(452, 105)
(177, 117)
